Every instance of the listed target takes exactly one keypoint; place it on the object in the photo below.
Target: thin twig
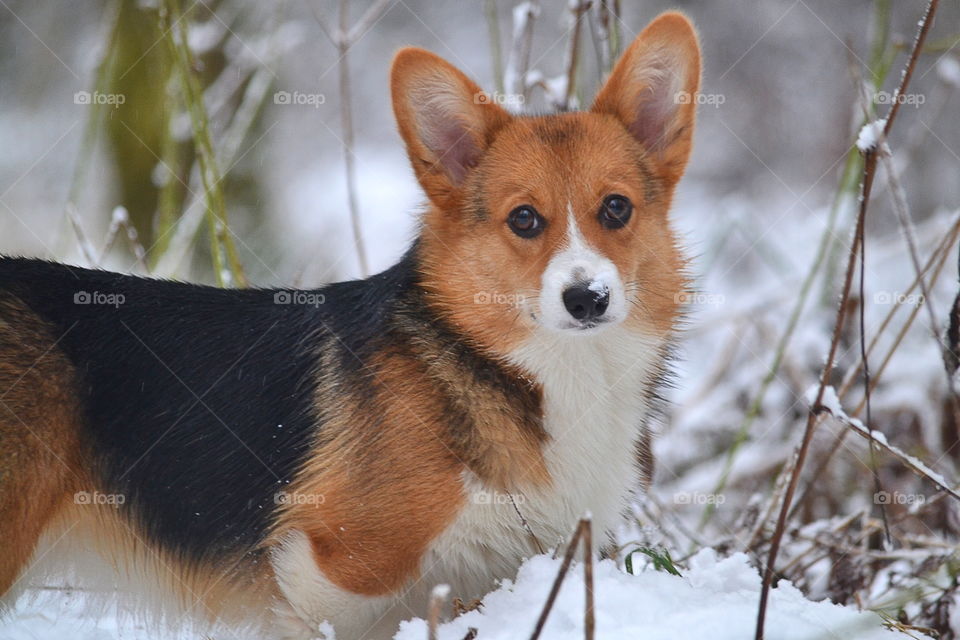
(518, 62)
(526, 525)
(85, 247)
(496, 49)
(916, 466)
(939, 255)
(588, 617)
(909, 234)
(366, 21)
(561, 574)
(907, 229)
(870, 166)
(346, 121)
(344, 38)
(437, 597)
(120, 220)
(600, 24)
(779, 487)
(864, 359)
(573, 53)
(227, 267)
(104, 72)
(181, 236)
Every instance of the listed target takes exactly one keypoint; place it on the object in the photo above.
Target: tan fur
(551, 162)
(45, 466)
(39, 465)
(234, 591)
(381, 493)
(378, 496)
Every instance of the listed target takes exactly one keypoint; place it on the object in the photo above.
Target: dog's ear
(446, 121)
(653, 91)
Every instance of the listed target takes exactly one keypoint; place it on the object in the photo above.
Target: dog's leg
(311, 604)
(39, 437)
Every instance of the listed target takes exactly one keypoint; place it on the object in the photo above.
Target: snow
(119, 216)
(949, 70)
(832, 403)
(713, 593)
(719, 594)
(870, 134)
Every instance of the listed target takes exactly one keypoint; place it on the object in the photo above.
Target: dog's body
(325, 457)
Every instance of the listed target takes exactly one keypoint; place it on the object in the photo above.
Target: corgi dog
(314, 462)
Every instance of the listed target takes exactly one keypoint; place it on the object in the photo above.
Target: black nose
(584, 303)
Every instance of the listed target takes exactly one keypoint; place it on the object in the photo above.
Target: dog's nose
(585, 303)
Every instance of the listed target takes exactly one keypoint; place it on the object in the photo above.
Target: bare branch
(870, 166)
(582, 526)
(912, 463)
(437, 597)
(366, 21)
(518, 63)
(573, 52)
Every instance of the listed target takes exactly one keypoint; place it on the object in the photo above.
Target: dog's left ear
(446, 120)
(653, 91)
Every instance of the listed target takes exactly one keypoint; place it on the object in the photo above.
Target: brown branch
(346, 122)
(864, 356)
(869, 170)
(437, 597)
(936, 261)
(916, 466)
(588, 617)
(518, 62)
(344, 38)
(526, 525)
(573, 53)
(582, 527)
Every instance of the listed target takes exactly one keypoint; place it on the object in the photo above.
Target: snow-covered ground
(714, 597)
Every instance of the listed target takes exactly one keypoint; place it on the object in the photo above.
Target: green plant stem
(226, 262)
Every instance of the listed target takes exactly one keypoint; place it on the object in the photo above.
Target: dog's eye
(615, 211)
(526, 222)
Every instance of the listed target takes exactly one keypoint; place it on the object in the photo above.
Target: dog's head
(553, 223)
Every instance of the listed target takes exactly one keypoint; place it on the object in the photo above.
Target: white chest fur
(595, 389)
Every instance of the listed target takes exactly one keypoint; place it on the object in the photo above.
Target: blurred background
(215, 140)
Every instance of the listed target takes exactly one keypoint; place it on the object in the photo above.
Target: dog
(314, 462)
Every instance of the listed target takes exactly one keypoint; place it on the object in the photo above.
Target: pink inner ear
(654, 107)
(448, 138)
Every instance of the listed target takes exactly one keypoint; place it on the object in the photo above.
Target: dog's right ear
(653, 88)
(446, 120)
